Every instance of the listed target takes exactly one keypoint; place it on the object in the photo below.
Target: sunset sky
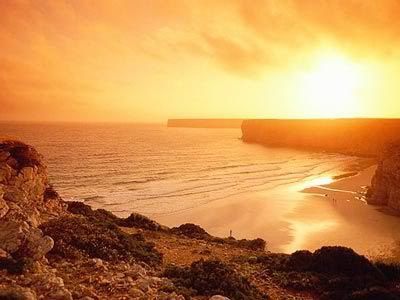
(149, 60)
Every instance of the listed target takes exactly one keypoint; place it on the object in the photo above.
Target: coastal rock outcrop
(25, 191)
(26, 200)
(385, 185)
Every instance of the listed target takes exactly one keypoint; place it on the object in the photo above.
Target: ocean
(156, 170)
(209, 177)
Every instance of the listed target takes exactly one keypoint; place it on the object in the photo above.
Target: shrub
(256, 244)
(301, 260)
(391, 271)
(211, 277)
(98, 215)
(139, 221)
(332, 272)
(50, 193)
(102, 215)
(191, 230)
(375, 293)
(342, 260)
(76, 237)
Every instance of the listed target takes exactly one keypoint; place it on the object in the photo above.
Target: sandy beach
(305, 215)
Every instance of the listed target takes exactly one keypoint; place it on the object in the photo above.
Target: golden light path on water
(305, 227)
(303, 230)
(317, 182)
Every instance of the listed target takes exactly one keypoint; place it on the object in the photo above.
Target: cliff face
(363, 137)
(385, 186)
(26, 201)
(25, 191)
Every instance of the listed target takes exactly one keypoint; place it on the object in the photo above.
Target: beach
(303, 215)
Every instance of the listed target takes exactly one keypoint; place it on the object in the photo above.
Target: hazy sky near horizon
(149, 60)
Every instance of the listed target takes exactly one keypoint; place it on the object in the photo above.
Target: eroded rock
(385, 185)
(24, 241)
(24, 186)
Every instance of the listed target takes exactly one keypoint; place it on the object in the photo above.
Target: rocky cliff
(385, 185)
(362, 137)
(26, 200)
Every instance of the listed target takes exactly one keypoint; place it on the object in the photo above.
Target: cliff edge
(385, 185)
(361, 137)
(26, 200)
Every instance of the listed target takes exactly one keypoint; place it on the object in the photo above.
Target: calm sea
(156, 170)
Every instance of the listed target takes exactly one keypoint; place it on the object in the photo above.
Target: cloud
(75, 53)
(246, 37)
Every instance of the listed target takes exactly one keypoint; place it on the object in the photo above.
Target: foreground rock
(25, 191)
(26, 200)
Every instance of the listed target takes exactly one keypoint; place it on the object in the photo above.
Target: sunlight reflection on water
(317, 182)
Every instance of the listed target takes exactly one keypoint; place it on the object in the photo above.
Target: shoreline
(292, 217)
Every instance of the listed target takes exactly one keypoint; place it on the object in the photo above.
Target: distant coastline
(205, 123)
(358, 137)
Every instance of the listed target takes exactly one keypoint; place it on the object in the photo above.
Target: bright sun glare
(330, 89)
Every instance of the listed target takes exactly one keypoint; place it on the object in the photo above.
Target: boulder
(24, 186)
(21, 240)
(218, 297)
(17, 292)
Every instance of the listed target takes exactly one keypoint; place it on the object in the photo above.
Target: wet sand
(305, 215)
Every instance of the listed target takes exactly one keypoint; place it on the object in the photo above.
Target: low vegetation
(102, 215)
(191, 230)
(334, 273)
(76, 237)
(212, 277)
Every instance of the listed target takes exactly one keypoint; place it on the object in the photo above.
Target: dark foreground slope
(362, 137)
(51, 249)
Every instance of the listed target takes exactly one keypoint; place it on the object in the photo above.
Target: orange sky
(149, 60)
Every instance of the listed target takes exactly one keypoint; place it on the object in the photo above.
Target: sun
(331, 88)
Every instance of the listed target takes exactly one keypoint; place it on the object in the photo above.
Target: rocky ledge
(51, 249)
